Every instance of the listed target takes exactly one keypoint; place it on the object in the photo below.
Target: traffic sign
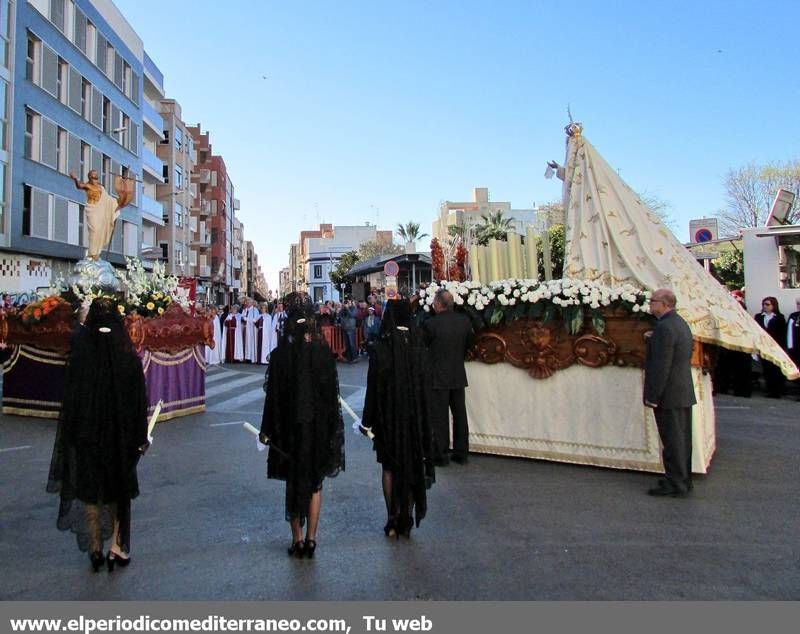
(703, 230)
(391, 269)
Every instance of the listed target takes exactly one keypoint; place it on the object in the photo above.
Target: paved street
(209, 525)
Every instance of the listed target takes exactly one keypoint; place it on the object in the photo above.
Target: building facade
(321, 253)
(75, 106)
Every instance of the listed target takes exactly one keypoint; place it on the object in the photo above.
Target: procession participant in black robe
(102, 432)
(397, 409)
(302, 420)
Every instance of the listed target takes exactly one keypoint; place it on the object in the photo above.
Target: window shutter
(40, 214)
(49, 152)
(50, 70)
(57, 13)
(101, 53)
(133, 138)
(135, 80)
(97, 108)
(74, 155)
(118, 70)
(97, 161)
(61, 219)
(75, 90)
(80, 30)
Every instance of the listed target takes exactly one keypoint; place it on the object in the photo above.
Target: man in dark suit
(669, 390)
(448, 336)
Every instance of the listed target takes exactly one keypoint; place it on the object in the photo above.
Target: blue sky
(382, 110)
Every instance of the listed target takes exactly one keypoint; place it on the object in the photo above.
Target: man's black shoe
(458, 458)
(441, 462)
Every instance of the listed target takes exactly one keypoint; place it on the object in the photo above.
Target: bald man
(669, 390)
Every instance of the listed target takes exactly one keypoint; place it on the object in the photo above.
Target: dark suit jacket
(448, 336)
(668, 369)
(776, 328)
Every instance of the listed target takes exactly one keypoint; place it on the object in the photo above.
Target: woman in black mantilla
(397, 409)
(302, 420)
(101, 434)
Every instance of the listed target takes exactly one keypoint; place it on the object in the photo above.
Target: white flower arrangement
(150, 293)
(568, 298)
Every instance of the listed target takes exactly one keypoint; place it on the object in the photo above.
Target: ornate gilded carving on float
(542, 349)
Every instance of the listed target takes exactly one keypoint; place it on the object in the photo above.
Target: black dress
(773, 377)
(302, 418)
(397, 408)
(102, 429)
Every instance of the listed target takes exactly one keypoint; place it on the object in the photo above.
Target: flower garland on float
(571, 300)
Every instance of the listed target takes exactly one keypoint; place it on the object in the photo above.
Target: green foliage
(494, 225)
(728, 268)
(345, 263)
(557, 234)
(373, 248)
(409, 232)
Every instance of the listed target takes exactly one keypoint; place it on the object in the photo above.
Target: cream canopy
(613, 237)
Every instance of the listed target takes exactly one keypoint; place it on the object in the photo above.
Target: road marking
(236, 422)
(732, 407)
(252, 396)
(15, 448)
(224, 387)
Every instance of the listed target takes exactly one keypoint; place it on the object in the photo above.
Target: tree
(750, 190)
(660, 208)
(410, 232)
(728, 268)
(494, 225)
(345, 263)
(373, 248)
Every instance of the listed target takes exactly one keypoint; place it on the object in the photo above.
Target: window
(178, 139)
(57, 13)
(178, 214)
(178, 177)
(164, 251)
(166, 137)
(317, 271)
(61, 151)
(32, 123)
(32, 60)
(178, 254)
(106, 115)
(62, 90)
(86, 100)
(2, 194)
(5, 29)
(3, 114)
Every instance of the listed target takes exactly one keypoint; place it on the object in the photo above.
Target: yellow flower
(160, 311)
(121, 309)
(150, 306)
(168, 299)
(157, 295)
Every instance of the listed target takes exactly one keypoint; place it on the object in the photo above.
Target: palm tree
(493, 225)
(410, 232)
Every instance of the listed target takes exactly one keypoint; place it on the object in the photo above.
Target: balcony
(201, 209)
(152, 118)
(202, 244)
(152, 211)
(202, 176)
(153, 165)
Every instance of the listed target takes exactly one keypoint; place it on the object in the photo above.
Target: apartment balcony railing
(152, 210)
(152, 118)
(201, 176)
(152, 164)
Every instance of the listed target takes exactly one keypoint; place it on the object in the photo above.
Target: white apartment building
(323, 253)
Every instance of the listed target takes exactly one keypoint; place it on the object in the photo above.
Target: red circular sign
(391, 268)
(703, 235)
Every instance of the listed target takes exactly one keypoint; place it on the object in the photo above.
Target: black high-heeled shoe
(97, 558)
(309, 548)
(390, 530)
(296, 549)
(114, 559)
